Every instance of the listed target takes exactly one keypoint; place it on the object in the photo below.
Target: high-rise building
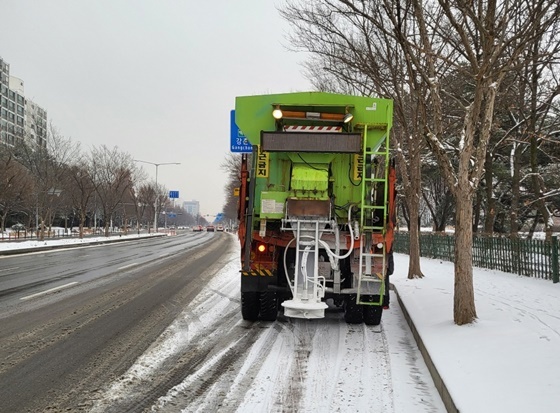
(19, 118)
(192, 207)
(35, 123)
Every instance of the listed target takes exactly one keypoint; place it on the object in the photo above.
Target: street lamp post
(157, 165)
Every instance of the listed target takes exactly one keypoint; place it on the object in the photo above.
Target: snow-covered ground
(11, 245)
(291, 365)
(508, 361)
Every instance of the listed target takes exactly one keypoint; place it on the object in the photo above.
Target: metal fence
(530, 257)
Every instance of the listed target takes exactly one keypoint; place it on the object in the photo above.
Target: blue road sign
(173, 194)
(239, 142)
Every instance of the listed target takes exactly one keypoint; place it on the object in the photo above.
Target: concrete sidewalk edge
(436, 377)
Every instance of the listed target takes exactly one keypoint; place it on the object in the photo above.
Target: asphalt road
(73, 320)
(25, 275)
(155, 326)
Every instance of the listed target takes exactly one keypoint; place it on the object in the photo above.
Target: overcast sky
(156, 78)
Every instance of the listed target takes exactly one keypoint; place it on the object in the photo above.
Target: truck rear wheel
(268, 306)
(353, 312)
(250, 305)
(372, 314)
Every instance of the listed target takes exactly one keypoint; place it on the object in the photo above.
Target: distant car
(210, 228)
(18, 227)
(197, 228)
(220, 228)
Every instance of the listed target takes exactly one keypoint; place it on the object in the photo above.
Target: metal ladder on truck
(373, 222)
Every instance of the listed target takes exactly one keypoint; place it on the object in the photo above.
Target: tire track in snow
(182, 348)
(365, 375)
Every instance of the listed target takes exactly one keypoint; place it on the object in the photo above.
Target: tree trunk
(490, 200)
(3, 222)
(414, 270)
(536, 178)
(413, 192)
(533, 225)
(82, 222)
(42, 229)
(515, 192)
(404, 211)
(464, 311)
(539, 190)
(476, 211)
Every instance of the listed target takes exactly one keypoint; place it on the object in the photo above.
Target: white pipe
(327, 248)
(286, 266)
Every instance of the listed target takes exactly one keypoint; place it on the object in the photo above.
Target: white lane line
(127, 266)
(60, 287)
(9, 269)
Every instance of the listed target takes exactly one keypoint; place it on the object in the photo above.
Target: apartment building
(192, 207)
(20, 118)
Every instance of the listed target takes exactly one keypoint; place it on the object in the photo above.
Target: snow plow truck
(316, 206)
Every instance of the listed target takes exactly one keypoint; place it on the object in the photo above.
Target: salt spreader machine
(316, 205)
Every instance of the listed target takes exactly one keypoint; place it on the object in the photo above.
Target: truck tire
(269, 306)
(353, 312)
(390, 265)
(372, 314)
(250, 305)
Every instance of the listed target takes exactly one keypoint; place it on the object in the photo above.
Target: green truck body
(316, 205)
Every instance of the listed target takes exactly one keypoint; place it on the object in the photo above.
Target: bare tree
(439, 38)
(162, 200)
(147, 201)
(354, 50)
(480, 44)
(136, 196)
(15, 185)
(542, 88)
(47, 165)
(231, 165)
(517, 176)
(438, 198)
(146, 198)
(113, 172)
(81, 188)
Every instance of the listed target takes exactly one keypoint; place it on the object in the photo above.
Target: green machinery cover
(298, 175)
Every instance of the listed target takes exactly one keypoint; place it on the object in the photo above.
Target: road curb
(436, 377)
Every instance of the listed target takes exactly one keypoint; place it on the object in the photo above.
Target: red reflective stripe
(299, 128)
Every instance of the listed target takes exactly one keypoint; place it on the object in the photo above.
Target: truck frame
(316, 205)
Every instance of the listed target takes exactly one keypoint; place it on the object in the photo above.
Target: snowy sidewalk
(509, 360)
(18, 247)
